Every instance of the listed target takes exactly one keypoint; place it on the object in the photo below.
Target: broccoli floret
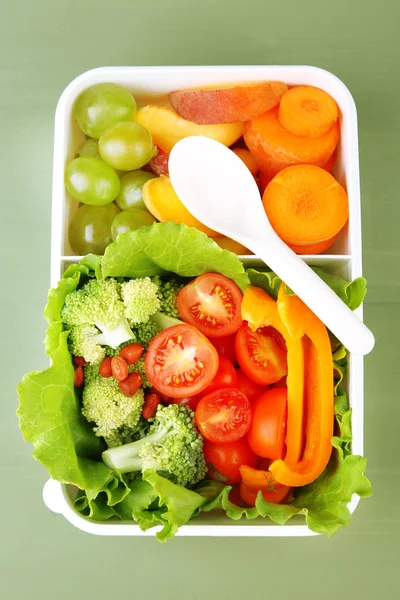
(140, 299)
(173, 446)
(115, 416)
(99, 303)
(168, 293)
(80, 343)
(145, 332)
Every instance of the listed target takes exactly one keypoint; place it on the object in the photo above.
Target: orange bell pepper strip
(260, 310)
(301, 321)
(256, 480)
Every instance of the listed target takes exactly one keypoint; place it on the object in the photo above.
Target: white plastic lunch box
(152, 84)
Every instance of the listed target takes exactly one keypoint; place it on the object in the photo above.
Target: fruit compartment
(152, 84)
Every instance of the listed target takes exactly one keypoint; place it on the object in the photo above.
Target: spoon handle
(314, 292)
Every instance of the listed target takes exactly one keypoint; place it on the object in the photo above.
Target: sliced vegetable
(255, 480)
(261, 354)
(268, 427)
(261, 310)
(181, 362)
(224, 415)
(301, 322)
(305, 205)
(224, 460)
(274, 148)
(211, 303)
(307, 111)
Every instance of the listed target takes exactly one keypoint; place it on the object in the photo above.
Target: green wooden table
(45, 44)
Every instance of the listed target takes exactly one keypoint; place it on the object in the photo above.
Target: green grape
(90, 228)
(101, 106)
(91, 181)
(129, 220)
(127, 146)
(130, 194)
(90, 148)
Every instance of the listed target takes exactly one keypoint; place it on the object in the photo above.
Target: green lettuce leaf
(351, 292)
(169, 247)
(49, 408)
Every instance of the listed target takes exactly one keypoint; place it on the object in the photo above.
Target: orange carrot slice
(331, 162)
(305, 205)
(314, 248)
(274, 148)
(307, 111)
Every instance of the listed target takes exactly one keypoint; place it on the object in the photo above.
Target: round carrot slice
(307, 111)
(274, 148)
(305, 205)
(316, 248)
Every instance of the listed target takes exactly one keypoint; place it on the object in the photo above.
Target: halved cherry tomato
(261, 354)
(151, 402)
(131, 353)
(224, 415)
(268, 428)
(79, 376)
(180, 361)
(80, 361)
(225, 346)
(130, 385)
(223, 460)
(119, 368)
(105, 367)
(249, 388)
(211, 302)
(254, 480)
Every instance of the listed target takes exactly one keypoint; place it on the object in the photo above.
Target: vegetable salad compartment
(259, 430)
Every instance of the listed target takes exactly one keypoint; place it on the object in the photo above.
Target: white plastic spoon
(218, 189)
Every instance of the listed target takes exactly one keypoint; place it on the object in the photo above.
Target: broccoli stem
(164, 321)
(126, 458)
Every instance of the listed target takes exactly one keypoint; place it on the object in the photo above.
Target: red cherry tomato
(212, 303)
(248, 387)
(268, 428)
(261, 354)
(225, 378)
(223, 460)
(119, 368)
(224, 415)
(151, 402)
(181, 362)
(130, 385)
(131, 353)
(105, 367)
(225, 346)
